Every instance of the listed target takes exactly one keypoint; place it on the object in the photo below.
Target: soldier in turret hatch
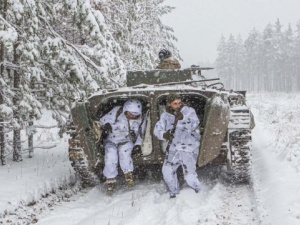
(167, 62)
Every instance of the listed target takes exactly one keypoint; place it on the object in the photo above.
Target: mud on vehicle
(226, 122)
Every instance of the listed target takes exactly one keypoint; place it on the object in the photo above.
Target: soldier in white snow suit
(123, 131)
(179, 126)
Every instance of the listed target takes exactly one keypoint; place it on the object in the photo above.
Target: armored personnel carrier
(226, 122)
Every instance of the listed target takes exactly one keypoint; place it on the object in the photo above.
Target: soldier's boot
(111, 185)
(129, 179)
(172, 196)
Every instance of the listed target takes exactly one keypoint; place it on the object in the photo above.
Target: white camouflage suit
(119, 144)
(183, 150)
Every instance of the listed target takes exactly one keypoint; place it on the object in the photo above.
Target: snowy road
(149, 203)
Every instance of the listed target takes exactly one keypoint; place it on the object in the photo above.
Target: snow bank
(279, 114)
(27, 181)
(276, 161)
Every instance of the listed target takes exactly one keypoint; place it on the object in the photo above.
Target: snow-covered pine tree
(78, 54)
(232, 50)
(116, 15)
(102, 47)
(240, 64)
(288, 60)
(226, 62)
(297, 56)
(13, 18)
(268, 55)
(296, 60)
(253, 60)
(271, 60)
(278, 60)
(20, 60)
(137, 27)
(221, 61)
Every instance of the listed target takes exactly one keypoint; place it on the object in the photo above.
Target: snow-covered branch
(84, 57)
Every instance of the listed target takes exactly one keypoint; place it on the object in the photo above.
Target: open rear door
(84, 127)
(216, 119)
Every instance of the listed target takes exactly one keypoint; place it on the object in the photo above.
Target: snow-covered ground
(276, 155)
(274, 198)
(24, 183)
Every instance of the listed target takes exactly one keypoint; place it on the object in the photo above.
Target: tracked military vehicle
(226, 122)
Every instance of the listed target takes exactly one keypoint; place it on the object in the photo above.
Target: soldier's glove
(178, 115)
(136, 150)
(168, 136)
(132, 135)
(106, 130)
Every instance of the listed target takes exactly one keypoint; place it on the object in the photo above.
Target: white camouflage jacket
(187, 134)
(121, 125)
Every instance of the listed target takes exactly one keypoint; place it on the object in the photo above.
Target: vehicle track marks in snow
(216, 203)
(226, 204)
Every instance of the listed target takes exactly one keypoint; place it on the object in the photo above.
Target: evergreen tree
(296, 63)
(221, 61)
(137, 27)
(268, 61)
(288, 60)
(19, 60)
(240, 64)
(79, 55)
(253, 60)
(268, 57)
(278, 62)
(231, 49)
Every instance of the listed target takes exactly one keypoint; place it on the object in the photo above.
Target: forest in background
(53, 52)
(267, 60)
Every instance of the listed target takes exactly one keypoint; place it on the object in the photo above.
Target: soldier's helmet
(164, 54)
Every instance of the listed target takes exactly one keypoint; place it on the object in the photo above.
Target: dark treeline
(267, 60)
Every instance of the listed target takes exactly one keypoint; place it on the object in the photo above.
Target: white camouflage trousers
(188, 162)
(115, 154)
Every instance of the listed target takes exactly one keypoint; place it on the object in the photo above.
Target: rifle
(170, 142)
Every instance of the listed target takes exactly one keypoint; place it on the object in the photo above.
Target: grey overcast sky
(199, 24)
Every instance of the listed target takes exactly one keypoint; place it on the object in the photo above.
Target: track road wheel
(240, 156)
(81, 164)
